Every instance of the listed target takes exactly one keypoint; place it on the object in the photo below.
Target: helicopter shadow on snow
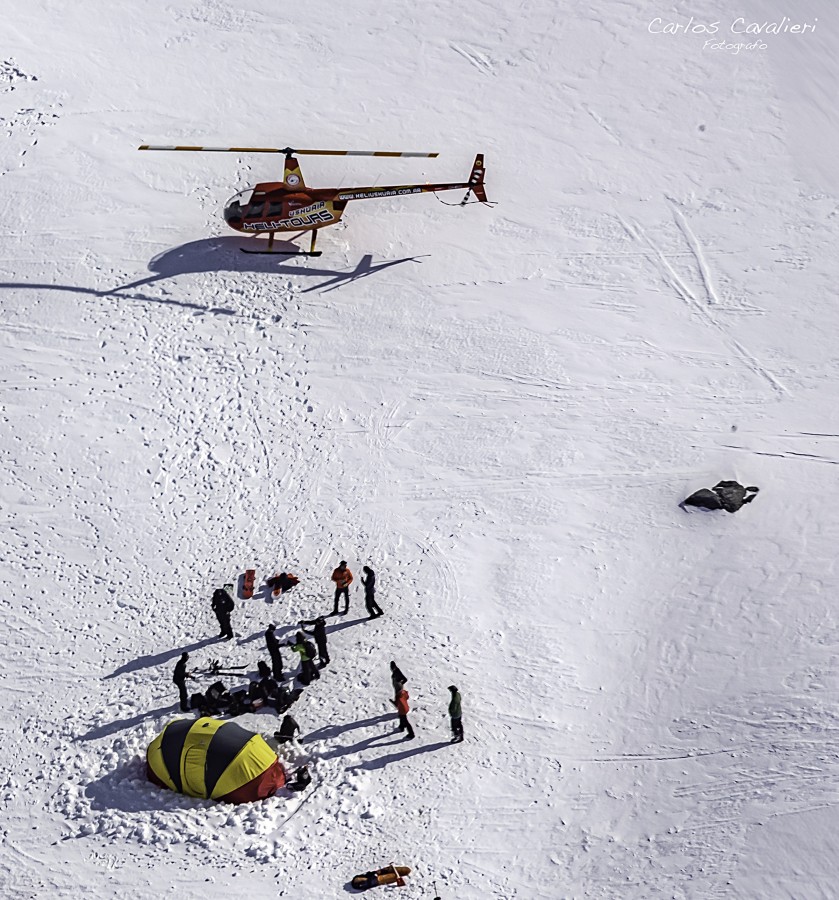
(222, 254)
(219, 255)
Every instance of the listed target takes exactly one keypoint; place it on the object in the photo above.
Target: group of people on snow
(314, 655)
(343, 578)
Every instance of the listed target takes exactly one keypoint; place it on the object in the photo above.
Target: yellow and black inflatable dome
(214, 760)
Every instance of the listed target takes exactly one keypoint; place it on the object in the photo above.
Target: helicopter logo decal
(315, 214)
(296, 221)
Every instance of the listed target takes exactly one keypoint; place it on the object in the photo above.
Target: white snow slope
(498, 408)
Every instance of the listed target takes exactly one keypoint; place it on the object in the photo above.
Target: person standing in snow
(306, 649)
(179, 677)
(319, 633)
(455, 714)
(222, 606)
(369, 583)
(397, 679)
(401, 704)
(343, 579)
(273, 645)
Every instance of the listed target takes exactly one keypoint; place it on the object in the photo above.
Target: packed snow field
(499, 409)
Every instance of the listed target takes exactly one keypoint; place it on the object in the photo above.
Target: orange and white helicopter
(275, 207)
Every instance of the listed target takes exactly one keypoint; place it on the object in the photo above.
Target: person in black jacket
(302, 779)
(179, 677)
(288, 728)
(398, 680)
(319, 634)
(273, 645)
(222, 606)
(456, 714)
(369, 582)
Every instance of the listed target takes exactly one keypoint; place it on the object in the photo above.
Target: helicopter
(274, 207)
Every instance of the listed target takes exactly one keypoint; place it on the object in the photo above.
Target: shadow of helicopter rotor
(222, 254)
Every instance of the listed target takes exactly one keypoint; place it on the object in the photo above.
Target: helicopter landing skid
(282, 252)
(270, 248)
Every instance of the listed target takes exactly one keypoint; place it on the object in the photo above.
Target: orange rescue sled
(388, 875)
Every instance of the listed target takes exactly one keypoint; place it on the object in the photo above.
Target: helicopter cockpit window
(275, 209)
(255, 209)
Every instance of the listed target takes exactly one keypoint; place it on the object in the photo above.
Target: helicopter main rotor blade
(364, 153)
(288, 151)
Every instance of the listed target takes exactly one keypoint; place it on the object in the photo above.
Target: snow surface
(498, 408)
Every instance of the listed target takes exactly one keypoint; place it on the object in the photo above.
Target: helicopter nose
(233, 212)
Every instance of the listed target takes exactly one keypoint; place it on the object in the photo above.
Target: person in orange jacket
(401, 704)
(343, 579)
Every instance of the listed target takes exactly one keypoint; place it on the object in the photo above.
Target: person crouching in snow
(288, 729)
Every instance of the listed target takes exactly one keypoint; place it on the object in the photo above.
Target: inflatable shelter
(214, 760)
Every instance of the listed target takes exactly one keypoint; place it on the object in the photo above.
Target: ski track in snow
(703, 309)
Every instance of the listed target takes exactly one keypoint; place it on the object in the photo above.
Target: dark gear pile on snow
(302, 779)
(727, 495)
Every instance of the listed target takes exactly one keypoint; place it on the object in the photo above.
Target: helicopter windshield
(237, 204)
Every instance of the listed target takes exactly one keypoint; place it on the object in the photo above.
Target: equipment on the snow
(284, 697)
(217, 667)
(289, 207)
(302, 779)
(282, 582)
(389, 875)
(214, 760)
(727, 495)
(247, 583)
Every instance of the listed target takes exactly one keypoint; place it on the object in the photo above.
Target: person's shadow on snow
(340, 626)
(331, 731)
(157, 659)
(383, 761)
(110, 728)
(282, 631)
(377, 740)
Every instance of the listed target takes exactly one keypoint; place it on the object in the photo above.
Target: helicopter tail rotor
(476, 182)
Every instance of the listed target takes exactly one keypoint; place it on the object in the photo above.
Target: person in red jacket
(343, 579)
(401, 704)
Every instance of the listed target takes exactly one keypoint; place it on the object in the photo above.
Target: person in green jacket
(306, 649)
(455, 715)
